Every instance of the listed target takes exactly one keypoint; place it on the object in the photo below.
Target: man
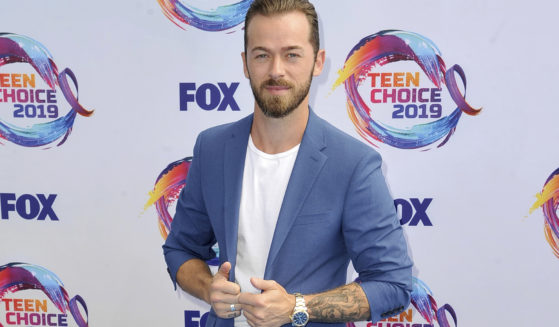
(288, 198)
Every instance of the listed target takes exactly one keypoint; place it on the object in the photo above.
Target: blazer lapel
(306, 169)
(234, 162)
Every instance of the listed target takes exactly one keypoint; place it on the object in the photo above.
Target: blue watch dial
(300, 318)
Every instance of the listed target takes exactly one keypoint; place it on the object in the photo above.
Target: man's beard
(275, 106)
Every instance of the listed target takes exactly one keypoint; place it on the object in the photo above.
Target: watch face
(300, 318)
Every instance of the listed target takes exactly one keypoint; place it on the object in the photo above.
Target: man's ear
(319, 62)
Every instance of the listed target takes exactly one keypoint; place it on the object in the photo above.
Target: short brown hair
(273, 7)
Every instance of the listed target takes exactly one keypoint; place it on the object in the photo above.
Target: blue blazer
(336, 208)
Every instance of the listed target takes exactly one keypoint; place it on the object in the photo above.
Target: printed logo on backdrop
(28, 206)
(165, 193)
(208, 96)
(413, 211)
(400, 93)
(209, 16)
(31, 295)
(38, 104)
(424, 303)
(548, 200)
(195, 318)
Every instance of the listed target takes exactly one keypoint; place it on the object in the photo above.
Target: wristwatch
(300, 316)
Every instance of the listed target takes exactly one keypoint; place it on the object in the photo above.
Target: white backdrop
(484, 254)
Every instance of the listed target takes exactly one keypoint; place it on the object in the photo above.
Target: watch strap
(300, 308)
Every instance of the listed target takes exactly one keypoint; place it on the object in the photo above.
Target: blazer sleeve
(191, 235)
(375, 240)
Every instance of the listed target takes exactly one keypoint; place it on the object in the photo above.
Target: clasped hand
(271, 308)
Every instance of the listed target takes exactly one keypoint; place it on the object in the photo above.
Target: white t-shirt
(265, 180)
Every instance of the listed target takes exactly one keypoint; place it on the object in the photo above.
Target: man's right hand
(224, 294)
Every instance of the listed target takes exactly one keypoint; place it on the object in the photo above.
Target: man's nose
(277, 70)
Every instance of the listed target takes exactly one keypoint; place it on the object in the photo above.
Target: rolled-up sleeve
(191, 234)
(375, 240)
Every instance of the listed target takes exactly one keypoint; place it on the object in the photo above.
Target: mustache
(276, 82)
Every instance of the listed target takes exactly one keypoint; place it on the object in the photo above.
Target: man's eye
(261, 56)
(293, 55)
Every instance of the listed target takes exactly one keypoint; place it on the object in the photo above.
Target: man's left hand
(271, 308)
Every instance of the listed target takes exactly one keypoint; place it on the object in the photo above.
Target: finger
(226, 309)
(251, 318)
(249, 299)
(250, 322)
(224, 269)
(264, 285)
(232, 314)
(237, 307)
(248, 309)
(221, 297)
(222, 286)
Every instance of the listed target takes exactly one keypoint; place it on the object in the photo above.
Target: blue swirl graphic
(220, 19)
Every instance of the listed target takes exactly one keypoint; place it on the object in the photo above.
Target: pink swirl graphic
(391, 46)
(21, 49)
(548, 200)
(15, 277)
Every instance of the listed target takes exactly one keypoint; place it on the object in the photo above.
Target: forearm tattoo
(343, 304)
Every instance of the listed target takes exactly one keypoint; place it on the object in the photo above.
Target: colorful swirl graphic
(423, 300)
(167, 188)
(548, 199)
(220, 19)
(391, 46)
(21, 49)
(17, 276)
(168, 185)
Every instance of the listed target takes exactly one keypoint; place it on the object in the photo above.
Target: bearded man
(289, 199)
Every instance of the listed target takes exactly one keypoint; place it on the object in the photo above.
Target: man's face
(280, 62)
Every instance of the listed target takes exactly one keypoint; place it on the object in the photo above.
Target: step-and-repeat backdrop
(101, 101)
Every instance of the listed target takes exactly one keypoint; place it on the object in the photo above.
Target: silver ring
(233, 308)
